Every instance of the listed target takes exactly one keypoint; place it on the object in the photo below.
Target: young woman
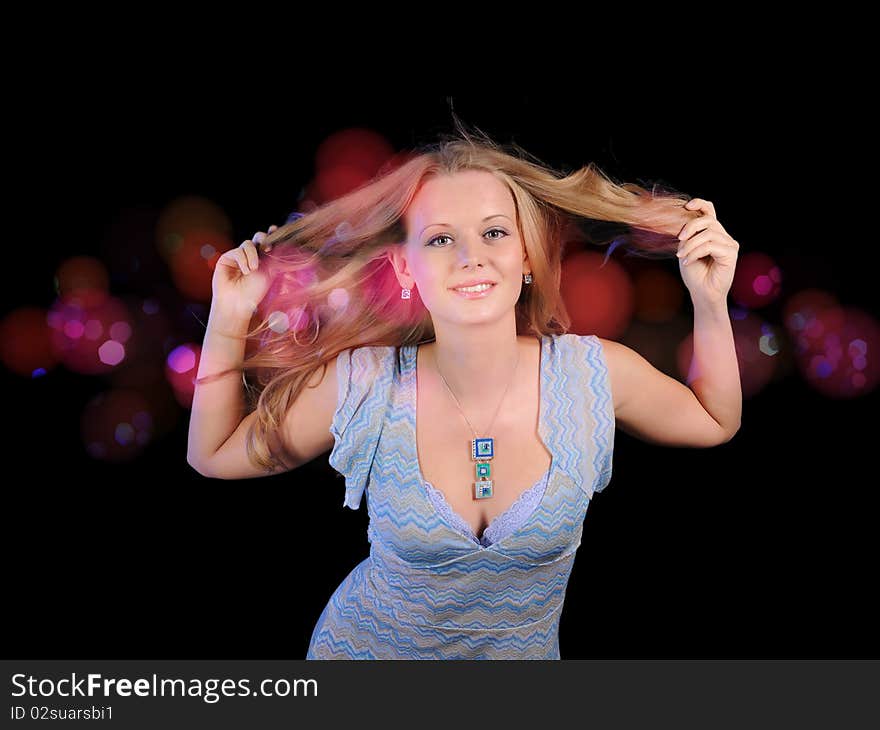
(415, 327)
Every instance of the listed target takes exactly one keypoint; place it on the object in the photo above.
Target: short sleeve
(601, 409)
(364, 376)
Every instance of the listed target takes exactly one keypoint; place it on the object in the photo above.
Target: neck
(477, 365)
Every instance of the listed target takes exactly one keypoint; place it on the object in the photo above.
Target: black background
(764, 547)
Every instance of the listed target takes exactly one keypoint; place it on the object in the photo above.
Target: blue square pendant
(482, 448)
(483, 489)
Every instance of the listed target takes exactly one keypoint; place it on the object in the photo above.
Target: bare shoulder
(628, 371)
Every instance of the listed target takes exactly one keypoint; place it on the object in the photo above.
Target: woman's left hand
(707, 255)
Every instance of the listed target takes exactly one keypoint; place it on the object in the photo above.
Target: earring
(527, 278)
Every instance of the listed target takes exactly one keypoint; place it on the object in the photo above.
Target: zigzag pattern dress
(430, 589)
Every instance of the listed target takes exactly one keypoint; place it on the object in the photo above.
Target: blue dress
(430, 589)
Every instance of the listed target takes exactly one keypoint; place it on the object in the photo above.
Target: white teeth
(479, 287)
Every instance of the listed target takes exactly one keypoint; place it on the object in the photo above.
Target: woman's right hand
(239, 282)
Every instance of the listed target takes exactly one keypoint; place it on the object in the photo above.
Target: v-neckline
(547, 475)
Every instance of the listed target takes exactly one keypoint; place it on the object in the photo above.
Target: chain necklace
(482, 449)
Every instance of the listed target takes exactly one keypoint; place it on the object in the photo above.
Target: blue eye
(443, 235)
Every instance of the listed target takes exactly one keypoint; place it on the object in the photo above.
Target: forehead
(463, 192)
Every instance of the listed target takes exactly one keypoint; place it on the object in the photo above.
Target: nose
(469, 252)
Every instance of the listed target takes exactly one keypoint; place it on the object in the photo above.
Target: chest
(443, 440)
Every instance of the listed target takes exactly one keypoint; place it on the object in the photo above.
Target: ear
(397, 256)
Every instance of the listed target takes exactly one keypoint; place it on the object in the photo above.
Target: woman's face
(460, 228)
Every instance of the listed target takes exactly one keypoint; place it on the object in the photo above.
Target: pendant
(481, 451)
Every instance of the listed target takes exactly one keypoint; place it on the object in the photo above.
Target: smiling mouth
(479, 294)
(476, 289)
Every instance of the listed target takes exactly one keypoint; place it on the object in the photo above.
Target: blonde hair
(334, 287)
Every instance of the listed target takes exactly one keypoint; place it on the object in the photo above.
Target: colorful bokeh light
(757, 281)
(346, 160)
(599, 298)
(89, 339)
(837, 349)
(116, 426)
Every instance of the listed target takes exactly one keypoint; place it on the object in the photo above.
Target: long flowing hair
(333, 285)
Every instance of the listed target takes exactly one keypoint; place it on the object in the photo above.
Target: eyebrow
(488, 217)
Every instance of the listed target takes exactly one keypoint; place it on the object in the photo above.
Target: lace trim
(502, 525)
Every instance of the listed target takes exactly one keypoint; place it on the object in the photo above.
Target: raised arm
(654, 407)
(218, 427)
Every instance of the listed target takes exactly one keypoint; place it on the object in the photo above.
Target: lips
(479, 294)
(485, 289)
(472, 283)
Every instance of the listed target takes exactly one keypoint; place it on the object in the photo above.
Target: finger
(250, 252)
(241, 258)
(272, 229)
(713, 249)
(233, 258)
(705, 206)
(696, 225)
(260, 240)
(692, 255)
(697, 253)
(693, 242)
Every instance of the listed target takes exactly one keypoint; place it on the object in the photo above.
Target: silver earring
(527, 278)
(404, 293)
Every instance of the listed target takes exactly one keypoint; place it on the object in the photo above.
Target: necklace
(482, 449)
